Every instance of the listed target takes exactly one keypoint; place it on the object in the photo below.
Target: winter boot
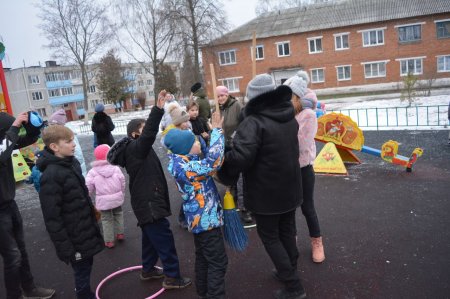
(318, 254)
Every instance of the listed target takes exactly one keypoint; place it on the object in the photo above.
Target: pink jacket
(108, 182)
(307, 129)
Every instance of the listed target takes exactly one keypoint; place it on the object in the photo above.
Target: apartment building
(345, 46)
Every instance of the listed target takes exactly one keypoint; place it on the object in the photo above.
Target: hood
(6, 122)
(103, 168)
(275, 104)
(47, 158)
(116, 154)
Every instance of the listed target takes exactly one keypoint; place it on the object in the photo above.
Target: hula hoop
(97, 291)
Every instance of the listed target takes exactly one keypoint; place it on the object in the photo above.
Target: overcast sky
(24, 41)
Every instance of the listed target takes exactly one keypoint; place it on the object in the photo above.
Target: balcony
(66, 99)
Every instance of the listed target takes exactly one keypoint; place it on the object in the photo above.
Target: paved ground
(386, 235)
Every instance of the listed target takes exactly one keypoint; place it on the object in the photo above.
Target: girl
(198, 124)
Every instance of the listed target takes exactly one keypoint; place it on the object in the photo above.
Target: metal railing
(398, 117)
(85, 129)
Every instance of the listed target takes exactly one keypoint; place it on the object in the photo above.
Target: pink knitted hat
(58, 118)
(101, 151)
(221, 90)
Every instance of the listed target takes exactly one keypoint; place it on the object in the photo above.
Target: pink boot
(318, 254)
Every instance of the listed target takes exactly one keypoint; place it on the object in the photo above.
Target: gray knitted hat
(297, 84)
(260, 84)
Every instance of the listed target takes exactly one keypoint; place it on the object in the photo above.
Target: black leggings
(308, 210)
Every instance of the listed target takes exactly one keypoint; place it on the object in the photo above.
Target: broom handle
(213, 78)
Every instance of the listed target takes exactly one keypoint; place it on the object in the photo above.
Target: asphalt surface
(386, 235)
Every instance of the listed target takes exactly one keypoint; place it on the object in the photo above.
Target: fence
(85, 129)
(398, 117)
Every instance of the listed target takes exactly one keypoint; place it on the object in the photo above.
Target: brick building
(345, 46)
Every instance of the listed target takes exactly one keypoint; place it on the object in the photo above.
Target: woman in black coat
(102, 126)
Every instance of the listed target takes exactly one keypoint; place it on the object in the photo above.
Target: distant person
(102, 126)
(199, 95)
(198, 124)
(265, 149)
(305, 101)
(150, 197)
(108, 183)
(166, 119)
(202, 203)
(16, 267)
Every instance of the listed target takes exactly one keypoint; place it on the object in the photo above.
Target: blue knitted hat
(99, 107)
(179, 141)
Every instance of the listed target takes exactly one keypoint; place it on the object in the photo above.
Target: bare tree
(202, 21)
(77, 30)
(146, 25)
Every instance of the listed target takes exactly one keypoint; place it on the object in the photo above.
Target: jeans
(17, 271)
(308, 210)
(158, 242)
(112, 223)
(82, 272)
(210, 264)
(278, 234)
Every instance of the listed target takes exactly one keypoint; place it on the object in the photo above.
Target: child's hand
(161, 99)
(216, 120)
(21, 119)
(205, 135)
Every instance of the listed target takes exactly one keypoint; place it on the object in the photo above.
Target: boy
(68, 211)
(150, 197)
(17, 273)
(201, 203)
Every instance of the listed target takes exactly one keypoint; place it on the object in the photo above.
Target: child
(305, 101)
(199, 125)
(68, 211)
(108, 182)
(150, 197)
(17, 273)
(201, 202)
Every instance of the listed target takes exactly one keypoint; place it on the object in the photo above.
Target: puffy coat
(102, 126)
(68, 211)
(148, 185)
(307, 123)
(204, 108)
(108, 182)
(265, 149)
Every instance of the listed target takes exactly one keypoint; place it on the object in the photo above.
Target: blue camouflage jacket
(201, 200)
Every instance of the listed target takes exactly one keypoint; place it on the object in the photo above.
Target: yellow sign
(29, 151)
(341, 130)
(21, 169)
(329, 161)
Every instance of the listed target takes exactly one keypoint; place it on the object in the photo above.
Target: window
(76, 74)
(91, 89)
(151, 93)
(409, 33)
(139, 71)
(41, 112)
(315, 44)
(344, 72)
(374, 37)
(37, 96)
(283, 49)
(259, 52)
(375, 69)
(94, 103)
(57, 76)
(412, 65)
(227, 57)
(66, 90)
(77, 89)
(232, 84)
(33, 79)
(53, 93)
(317, 75)
(443, 29)
(149, 82)
(140, 83)
(341, 41)
(443, 63)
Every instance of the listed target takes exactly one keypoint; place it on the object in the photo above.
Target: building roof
(333, 14)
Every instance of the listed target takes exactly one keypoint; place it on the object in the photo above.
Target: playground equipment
(342, 136)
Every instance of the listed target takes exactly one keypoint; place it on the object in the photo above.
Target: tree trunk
(84, 79)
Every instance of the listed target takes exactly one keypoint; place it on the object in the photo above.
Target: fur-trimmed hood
(275, 104)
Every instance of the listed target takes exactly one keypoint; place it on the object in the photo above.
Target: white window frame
(53, 93)
(225, 53)
(344, 66)
(234, 87)
(91, 89)
(149, 82)
(446, 66)
(37, 96)
(368, 31)
(257, 52)
(141, 83)
(278, 44)
(409, 25)
(378, 68)
(41, 112)
(340, 35)
(441, 21)
(314, 40)
(33, 79)
(406, 60)
(66, 91)
(313, 78)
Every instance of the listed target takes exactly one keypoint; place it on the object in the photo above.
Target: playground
(385, 234)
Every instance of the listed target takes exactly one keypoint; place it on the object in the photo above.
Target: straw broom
(234, 233)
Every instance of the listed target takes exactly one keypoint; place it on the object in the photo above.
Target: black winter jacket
(67, 208)
(102, 125)
(148, 185)
(265, 149)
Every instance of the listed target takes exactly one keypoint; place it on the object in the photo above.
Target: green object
(2, 48)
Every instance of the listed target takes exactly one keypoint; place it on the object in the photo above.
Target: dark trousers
(308, 210)
(210, 264)
(158, 242)
(237, 190)
(16, 269)
(82, 272)
(278, 234)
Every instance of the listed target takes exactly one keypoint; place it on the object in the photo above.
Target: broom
(234, 233)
